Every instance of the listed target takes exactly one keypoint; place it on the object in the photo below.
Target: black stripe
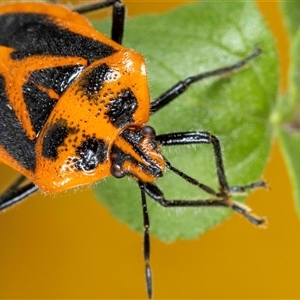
(39, 104)
(12, 135)
(37, 34)
(57, 79)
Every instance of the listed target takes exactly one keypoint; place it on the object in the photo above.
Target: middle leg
(118, 16)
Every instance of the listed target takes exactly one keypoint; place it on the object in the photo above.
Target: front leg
(182, 86)
(221, 198)
(16, 192)
(198, 137)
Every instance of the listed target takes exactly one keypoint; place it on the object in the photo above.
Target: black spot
(92, 152)
(91, 83)
(122, 108)
(13, 137)
(39, 103)
(55, 136)
(37, 34)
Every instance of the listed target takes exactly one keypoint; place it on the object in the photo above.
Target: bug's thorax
(109, 95)
(135, 153)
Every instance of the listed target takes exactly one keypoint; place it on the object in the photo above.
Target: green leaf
(193, 39)
(288, 124)
(289, 138)
(291, 102)
(291, 12)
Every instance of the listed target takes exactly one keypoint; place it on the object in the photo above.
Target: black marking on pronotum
(54, 137)
(91, 83)
(122, 108)
(38, 34)
(92, 152)
(12, 135)
(39, 103)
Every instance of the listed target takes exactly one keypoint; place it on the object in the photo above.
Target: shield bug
(78, 104)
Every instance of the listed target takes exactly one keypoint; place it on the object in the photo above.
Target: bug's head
(135, 153)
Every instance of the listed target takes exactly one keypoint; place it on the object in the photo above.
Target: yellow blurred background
(69, 246)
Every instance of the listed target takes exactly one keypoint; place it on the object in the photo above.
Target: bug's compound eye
(148, 131)
(116, 171)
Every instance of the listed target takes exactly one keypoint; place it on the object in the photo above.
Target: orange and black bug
(73, 109)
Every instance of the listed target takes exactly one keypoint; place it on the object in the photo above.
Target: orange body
(69, 91)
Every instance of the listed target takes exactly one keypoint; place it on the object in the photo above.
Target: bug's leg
(16, 192)
(181, 86)
(200, 137)
(148, 272)
(15, 184)
(156, 194)
(13, 187)
(251, 186)
(117, 29)
(118, 16)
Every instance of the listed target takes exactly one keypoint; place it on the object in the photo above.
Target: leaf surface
(192, 39)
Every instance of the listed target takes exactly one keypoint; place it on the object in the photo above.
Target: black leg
(156, 194)
(118, 16)
(198, 137)
(148, 272)
(15, 185)
(16, 192)
(222, 198)
(13, 195)
(117, 29)
(181, 86)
